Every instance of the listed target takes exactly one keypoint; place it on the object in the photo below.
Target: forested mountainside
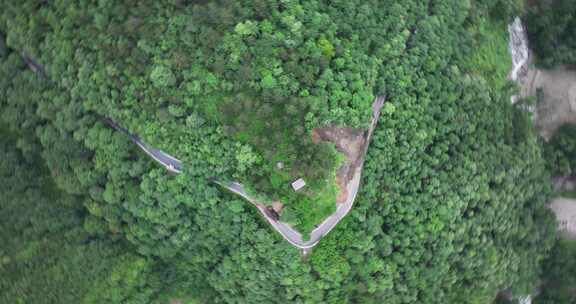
(47, 256)
(452, 203)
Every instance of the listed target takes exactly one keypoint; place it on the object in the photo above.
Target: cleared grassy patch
(490, 57)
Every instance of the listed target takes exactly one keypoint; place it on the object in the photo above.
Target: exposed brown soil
(348, 141)
(558, 104)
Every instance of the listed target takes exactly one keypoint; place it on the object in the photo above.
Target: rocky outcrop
(519, 50)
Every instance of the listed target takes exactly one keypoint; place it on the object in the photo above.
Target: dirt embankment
(351, 143)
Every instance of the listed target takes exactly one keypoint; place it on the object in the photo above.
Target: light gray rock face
(518, 46)
(520, 53)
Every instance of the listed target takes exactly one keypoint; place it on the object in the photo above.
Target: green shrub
(162, 76)
(560, 151)
(559, 277)
(550, 26)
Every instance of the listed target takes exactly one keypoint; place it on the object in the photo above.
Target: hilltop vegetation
(451, 207)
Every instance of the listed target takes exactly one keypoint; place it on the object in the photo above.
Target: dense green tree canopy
(560, 151)
(551, 31)
(451, 207)
(47, 256)
(560, 276)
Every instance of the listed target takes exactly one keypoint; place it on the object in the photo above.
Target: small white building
(298, 184)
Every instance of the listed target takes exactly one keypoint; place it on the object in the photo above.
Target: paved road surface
(288, 233)
(171, 163)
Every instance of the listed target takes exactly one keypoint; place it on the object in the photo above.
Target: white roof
(298, 184)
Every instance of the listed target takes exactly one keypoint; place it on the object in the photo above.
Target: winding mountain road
(294, 237)
(169, 162)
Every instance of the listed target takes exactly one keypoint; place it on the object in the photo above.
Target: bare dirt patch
(277, 206)
(557, 105)
(350, 142)
(565, 210)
